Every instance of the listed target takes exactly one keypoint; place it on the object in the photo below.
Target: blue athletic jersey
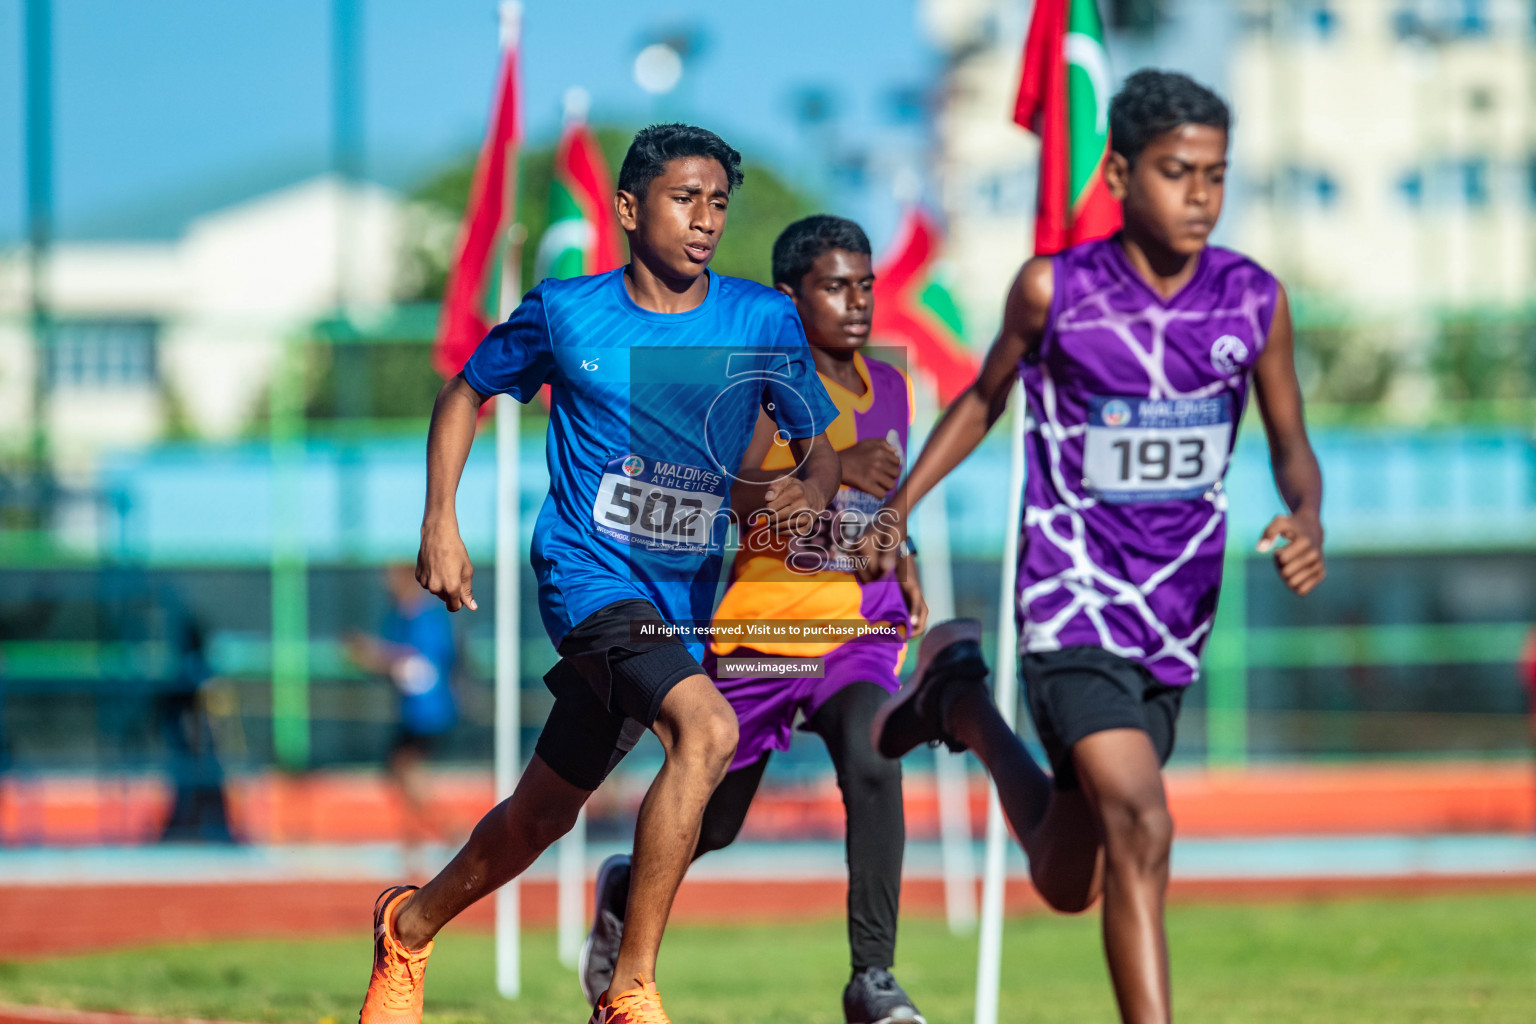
(645, 438)
(425, 678)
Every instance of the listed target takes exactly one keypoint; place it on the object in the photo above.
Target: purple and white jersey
(1133, 405)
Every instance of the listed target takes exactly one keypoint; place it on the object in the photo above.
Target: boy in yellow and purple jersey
(823, 264)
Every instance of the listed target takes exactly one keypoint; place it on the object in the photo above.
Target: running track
(1262, 834)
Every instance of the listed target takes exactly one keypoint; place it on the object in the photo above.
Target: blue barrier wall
(1446, 489)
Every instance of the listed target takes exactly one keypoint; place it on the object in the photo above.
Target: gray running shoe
(601, 950)
(873, 997)
(948, 662)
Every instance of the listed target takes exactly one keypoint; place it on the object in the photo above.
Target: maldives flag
(464, 320)
(913, 308)
(582, 237)
(1064, 98)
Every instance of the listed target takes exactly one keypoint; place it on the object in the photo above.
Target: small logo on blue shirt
(589, 364)
(1116, 413)
(634, 466)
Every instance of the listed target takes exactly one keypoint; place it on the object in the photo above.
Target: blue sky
(164, 104)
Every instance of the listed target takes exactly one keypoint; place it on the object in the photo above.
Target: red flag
(1064, 98)
(464, 321)
(912, 308)
(1528, 666)
(583, 235)
(579, 164)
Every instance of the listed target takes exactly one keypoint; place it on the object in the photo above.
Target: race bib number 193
(1156, 449)
(658, 504)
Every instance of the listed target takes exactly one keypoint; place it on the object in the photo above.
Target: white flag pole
(1006, 693)
(509, 753)
(508, 712)
(950, 777)
(571, 900)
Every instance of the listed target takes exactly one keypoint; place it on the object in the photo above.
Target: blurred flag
(913, 308)
(1528, 667)
(464, 319)
(1064, 96)
(582, 237)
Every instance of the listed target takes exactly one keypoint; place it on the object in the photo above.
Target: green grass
(1468, 958)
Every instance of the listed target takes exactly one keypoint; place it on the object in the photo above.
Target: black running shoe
(601, 950)
(873, 997)
(948, 662)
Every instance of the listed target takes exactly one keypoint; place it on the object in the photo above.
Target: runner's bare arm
(751, 479)
(912, 592)
(1300, 560)
(442, 563)
(797, 501)
(966, 422)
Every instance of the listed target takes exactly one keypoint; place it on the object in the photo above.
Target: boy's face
(678, 222)
(1174, 190)
(836, 300)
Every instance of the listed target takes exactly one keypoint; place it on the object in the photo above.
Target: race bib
(658, 504)
(837, 531)
(1156, 449)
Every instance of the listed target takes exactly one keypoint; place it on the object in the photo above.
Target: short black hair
(658, 144)
(1152, 102)
(799, 245)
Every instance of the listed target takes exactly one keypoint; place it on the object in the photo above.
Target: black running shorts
(1078, 691)
(608, 690)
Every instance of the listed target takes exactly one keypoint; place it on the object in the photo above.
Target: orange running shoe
(396, 989)
(636, 1006)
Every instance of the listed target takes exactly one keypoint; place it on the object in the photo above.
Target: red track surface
(43, 1015)
(45, 920)
(1407, 800)
(340, 807)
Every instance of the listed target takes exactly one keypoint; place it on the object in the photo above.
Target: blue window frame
(103, 353)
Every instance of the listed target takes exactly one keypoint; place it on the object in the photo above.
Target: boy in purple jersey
(1136, 353)
(823, 264)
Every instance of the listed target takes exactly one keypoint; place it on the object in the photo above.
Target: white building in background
(1391, 144)
(1384, 151)
(984, 166)
(199, 321)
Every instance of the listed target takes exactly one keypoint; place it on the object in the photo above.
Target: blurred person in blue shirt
(417, 652)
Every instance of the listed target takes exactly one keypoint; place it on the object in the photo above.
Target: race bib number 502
(658, 504)
(1156, 449)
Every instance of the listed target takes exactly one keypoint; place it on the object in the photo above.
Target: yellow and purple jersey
(811, 580)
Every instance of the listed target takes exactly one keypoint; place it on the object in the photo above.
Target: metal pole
(349, 360)
(1006, 693)
(509, 724)
(39, 29)
(346, 132)
(509, 693)
(509, 753)
(950, 776)
(290, 569)
(571, 875)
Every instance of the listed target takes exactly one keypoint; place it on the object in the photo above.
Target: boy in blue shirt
(658, 372)
(417, 652)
